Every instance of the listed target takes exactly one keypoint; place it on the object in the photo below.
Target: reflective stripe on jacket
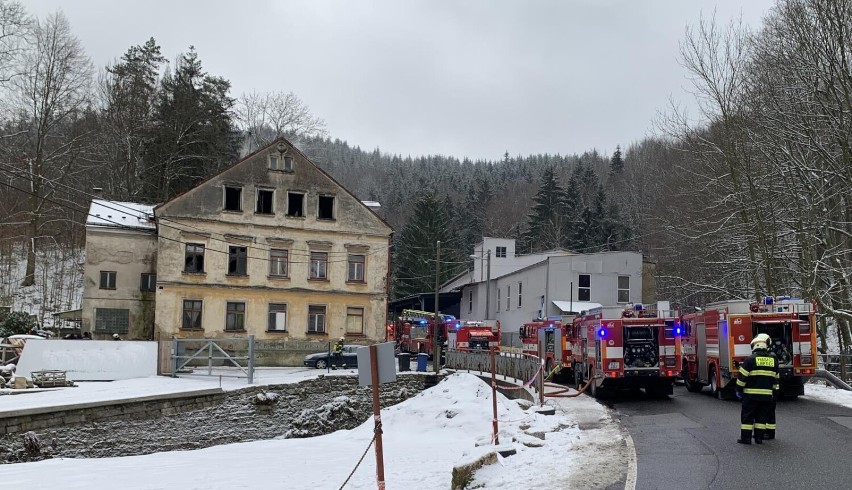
(758, 376)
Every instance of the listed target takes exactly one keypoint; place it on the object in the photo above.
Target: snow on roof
(119, 214)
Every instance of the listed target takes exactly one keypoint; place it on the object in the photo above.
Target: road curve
(688, 441)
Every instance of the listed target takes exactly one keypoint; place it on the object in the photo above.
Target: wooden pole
(437, 324)
(377, 417)
(494, 396)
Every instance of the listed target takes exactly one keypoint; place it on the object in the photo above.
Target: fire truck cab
(469, 335)
(628, 347)
(414, 330)
(717, 339)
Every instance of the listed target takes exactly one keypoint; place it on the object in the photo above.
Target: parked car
(322, 360)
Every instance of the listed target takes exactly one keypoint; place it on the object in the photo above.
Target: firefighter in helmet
(338, 348)
(756, 385)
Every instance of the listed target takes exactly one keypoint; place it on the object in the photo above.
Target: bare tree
(14, 25)
(266, 116)
(48, 100)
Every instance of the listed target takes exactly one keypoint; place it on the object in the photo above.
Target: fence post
(251, 359)
(209, 358)
(174, 356)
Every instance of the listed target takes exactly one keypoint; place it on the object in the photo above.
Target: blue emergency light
(602, 332)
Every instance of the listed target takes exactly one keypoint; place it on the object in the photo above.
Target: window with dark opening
(148, 282)
(501, 252)
(235, 316)
(194, 258)
(288, 163)
(191, 314)
(233, 199)
(584, 291)
(326, 207)
(108, 279)
(623, 289)
(295, 204)
(264, 201)
(237, 259)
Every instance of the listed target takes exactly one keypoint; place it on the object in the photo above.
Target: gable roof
(251, 155)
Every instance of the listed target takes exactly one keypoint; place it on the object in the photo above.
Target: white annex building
(547, 284)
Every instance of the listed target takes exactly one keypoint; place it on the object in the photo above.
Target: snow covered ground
(424, 438)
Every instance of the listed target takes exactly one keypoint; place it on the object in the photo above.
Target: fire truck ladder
(418, 315)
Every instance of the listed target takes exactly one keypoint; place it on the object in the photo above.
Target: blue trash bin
(422, 358)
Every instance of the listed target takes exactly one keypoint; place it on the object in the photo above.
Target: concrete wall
(198, 217)
(130, 254)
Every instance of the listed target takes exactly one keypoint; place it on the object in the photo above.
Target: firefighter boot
(758, 436)
(745, 437)
(769, 435)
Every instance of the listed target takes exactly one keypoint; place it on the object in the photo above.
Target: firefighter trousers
(753, 418)
(770, 420)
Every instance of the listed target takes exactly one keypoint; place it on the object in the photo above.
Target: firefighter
(757, 383)
(338, 348)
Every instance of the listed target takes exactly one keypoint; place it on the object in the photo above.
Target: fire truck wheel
(714, 384)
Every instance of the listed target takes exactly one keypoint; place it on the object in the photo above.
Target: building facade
(274, 247)
(120, 270)
(547, 284)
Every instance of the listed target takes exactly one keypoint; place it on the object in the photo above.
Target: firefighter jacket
(758, 376)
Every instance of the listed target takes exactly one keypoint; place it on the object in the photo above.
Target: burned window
(237, 260)
(233, 198)
(295, 204)
(264, 201)
(326, 207)
(194, 258)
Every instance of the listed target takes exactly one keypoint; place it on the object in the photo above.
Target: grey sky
(462, 78)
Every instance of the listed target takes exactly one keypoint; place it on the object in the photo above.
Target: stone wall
(306, 409)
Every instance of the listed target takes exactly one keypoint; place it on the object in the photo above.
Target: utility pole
(436, 324)
(488, 286)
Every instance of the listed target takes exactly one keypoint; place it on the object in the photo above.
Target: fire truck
(717, 339)
(414, 330)
(551, 341)
(627, 348)
(467, 335)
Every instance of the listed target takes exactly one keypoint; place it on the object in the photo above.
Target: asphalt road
(688, 441)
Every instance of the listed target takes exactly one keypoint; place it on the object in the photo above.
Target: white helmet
(342, 339)
(760, 341)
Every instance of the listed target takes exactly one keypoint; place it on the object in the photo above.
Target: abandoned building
(270, 246)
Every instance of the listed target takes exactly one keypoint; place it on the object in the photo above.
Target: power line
(159, 219)
(123, 226)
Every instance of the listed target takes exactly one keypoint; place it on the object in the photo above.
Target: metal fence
(522, 367)
(202, 356)
(839, 365)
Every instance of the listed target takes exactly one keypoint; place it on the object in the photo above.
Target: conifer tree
(415, 249)
(616, 163)
(546, 223)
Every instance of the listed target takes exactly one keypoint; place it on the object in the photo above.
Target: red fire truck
(551, 341)
(627, 347)
(414, 330)
(468, 335)
(717, 339)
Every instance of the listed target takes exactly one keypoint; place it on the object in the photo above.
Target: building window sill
(281, 170)
(355, 335)
(242, 330)
(278, 278)
(237, 276)
(357, 282)
(191, 273)
(267, 215)
(107, 289)
(193, 329)
(318, 334)
(293, 217)
(277, 331)
(318, 279)
(326, 219)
